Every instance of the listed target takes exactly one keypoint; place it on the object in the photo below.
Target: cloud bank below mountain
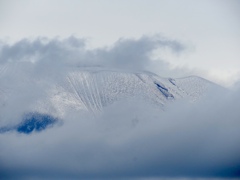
(129, 139)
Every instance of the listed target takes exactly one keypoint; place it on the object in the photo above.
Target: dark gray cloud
(134, 54)
(130, 139)
(130, 54)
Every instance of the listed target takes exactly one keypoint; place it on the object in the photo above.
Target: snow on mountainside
(92, 89)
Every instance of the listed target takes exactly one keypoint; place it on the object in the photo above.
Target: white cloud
(130, 139)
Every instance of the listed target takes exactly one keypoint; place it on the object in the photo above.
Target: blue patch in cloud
(32, 122)
(35, 121)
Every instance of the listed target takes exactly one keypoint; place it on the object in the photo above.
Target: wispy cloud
(46, 61)
(130, 139)
(133, 54)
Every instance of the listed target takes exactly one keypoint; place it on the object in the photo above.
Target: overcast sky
(209, 29)
(129, 139)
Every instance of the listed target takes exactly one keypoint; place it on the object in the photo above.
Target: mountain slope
(92, 89)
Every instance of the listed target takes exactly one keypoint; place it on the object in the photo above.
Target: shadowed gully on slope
(164, 91)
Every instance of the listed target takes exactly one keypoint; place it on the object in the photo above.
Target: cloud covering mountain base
(129, 139)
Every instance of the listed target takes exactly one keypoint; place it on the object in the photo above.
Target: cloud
(130, 139)
(50, 57)
(131, 54)
(47, 61)
(135, 54)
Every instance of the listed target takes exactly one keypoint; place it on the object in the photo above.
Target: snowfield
(93, 89)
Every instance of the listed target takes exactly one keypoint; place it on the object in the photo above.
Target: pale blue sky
(210, 29)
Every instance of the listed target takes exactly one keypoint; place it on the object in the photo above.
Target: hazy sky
(41, 39)
(209, 29)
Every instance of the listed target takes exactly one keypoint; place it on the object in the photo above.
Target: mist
(129, 139)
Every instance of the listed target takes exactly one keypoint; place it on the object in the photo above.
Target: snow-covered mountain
(93, 89)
